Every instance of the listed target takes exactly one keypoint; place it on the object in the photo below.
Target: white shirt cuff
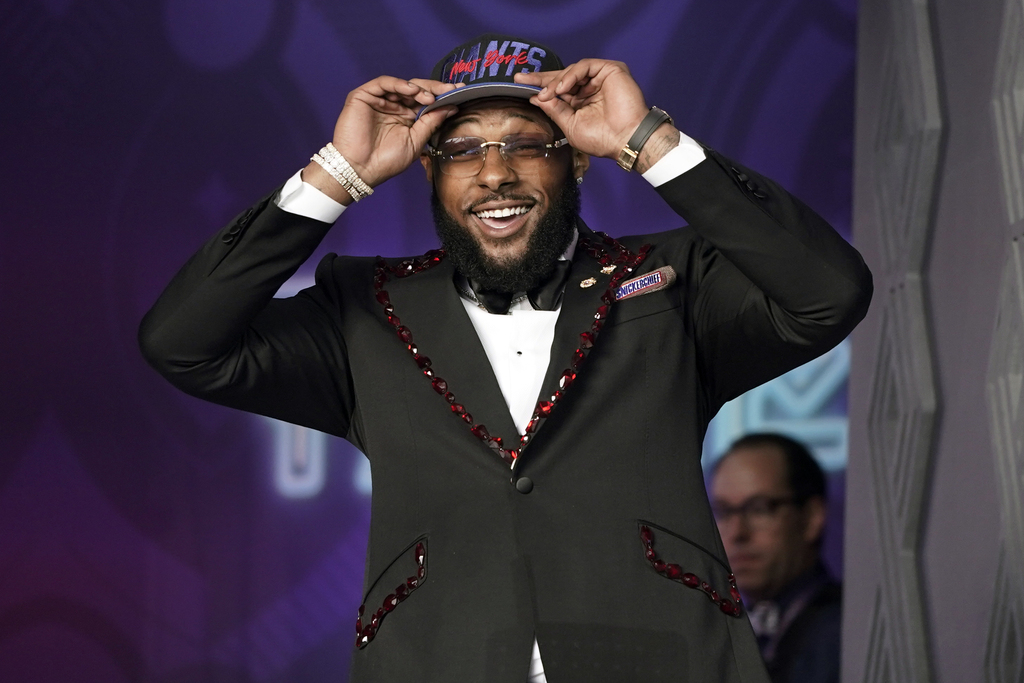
(678, 161)
(301, 198)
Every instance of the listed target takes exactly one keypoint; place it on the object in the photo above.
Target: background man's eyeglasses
(464, 157)
(759, 511)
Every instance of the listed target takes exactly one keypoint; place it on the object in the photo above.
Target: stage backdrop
(147, 536)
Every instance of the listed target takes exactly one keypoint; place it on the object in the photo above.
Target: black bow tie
(544, 297)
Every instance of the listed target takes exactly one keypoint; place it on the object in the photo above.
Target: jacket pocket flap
(400, 578)
(679, 559)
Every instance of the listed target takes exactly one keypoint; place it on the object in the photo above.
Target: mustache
(505, 197)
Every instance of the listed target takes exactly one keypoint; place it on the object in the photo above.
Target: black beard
(549, 241)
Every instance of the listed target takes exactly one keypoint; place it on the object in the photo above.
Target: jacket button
(524, 484)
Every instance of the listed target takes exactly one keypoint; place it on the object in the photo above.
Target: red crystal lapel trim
(608, 252)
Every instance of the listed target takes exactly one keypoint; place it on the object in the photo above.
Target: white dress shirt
(518, 343)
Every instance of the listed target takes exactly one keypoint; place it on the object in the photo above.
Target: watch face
(627, 158)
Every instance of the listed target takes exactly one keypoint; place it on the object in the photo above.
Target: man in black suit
(533, 397)
(769, 498)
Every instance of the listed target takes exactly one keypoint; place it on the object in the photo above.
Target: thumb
(557, 110)
(427, 125)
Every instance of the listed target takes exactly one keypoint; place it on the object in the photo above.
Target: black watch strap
(628, 155)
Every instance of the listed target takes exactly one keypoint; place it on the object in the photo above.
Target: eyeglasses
(759, 511)
(464, 157)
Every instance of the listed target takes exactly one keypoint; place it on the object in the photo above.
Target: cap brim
(475, 92)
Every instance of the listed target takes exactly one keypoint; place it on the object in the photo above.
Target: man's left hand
(595, 102)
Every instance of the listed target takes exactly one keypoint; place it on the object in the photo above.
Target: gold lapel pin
(608, 270)
(589, 282)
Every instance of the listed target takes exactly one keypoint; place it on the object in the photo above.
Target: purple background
(141, 535)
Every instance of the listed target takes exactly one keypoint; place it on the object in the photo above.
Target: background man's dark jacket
(564, 561)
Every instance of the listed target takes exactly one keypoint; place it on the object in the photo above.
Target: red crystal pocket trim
(608, 252)
(732, 605)
(366, 633)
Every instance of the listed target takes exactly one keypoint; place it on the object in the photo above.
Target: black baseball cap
(487, 65)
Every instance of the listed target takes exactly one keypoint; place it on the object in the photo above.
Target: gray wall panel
(964, 258)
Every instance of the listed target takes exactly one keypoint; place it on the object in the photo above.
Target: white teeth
(503, 213)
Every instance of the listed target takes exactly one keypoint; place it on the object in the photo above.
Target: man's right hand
(378, 132)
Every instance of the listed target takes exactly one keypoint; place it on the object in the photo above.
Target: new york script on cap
(467, 65)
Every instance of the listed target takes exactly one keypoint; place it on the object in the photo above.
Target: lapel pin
(589, 282)
(608, 270)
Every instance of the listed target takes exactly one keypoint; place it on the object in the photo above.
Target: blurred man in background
(769, 498)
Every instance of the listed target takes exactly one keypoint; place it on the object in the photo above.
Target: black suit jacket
(764, 285)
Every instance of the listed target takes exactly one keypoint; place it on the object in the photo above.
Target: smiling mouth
(504, 218)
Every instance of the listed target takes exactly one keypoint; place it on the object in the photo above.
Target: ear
(580, 163)
(428, 167)
(815, 514)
